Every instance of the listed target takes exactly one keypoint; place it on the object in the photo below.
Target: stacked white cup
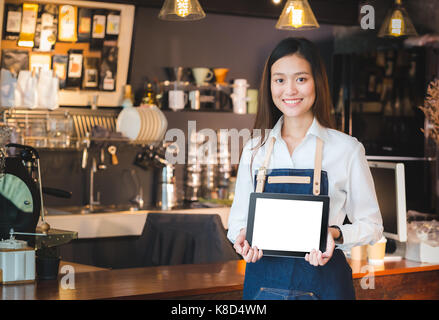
(239, 96)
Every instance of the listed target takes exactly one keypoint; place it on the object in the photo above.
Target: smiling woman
(293, 93)
(295, 103)
(310, 75)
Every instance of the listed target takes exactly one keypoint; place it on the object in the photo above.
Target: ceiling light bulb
(397, 23)
(297, 14)
(182, 8)
(296, 17)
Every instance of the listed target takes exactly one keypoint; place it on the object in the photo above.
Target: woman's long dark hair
(268, 114)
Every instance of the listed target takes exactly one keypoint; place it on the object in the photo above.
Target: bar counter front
(403, 279)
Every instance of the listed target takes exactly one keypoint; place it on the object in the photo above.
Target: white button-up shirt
(351, 186)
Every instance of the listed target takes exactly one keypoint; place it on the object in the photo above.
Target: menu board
(53, 28)
(68, 35)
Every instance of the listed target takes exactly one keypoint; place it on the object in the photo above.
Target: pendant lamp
(397, 23)
(181, 10)
(297, 15)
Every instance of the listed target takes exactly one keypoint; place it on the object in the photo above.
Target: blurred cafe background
(95, 96)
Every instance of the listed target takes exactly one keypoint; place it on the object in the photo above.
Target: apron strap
(262, 171)
(317, 166)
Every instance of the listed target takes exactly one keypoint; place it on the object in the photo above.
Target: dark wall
(241, 44)
(62, 169)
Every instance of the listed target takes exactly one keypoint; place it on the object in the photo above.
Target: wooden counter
(80, 268)
(395, 280)
(403, 280)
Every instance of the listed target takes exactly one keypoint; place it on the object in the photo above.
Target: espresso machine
(24, 247)
(165, 194)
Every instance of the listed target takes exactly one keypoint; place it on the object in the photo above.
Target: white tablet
(287, 225)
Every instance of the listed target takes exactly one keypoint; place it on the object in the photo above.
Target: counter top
(215, 281)
(361, 268)
(117, 224)
(136, 283)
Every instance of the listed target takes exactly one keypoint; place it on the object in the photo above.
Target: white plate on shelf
(157, 124)
(129, 123)
(148, 123)
(163, 124)
(143, 126)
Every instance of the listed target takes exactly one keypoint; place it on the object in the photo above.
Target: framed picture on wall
(120, 31)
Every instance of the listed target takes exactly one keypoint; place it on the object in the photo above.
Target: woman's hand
(317, 258)
(243, 248)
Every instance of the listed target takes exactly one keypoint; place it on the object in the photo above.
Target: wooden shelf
(60, 48)
(209, 119)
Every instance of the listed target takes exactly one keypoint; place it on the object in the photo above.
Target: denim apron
(292, 278)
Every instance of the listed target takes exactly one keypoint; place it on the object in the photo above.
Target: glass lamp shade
(397, 23)
(297, 15)
(181, 10)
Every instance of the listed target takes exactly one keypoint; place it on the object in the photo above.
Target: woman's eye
(278, 80)
(301, 79)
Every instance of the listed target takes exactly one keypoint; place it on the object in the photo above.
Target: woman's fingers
(311, 257)
(239, 243)
(320, 259)
(314, 258)
(317, 258)
(248, 257)
(245, 249)
(245, 256)
(253, 255)
(238, 248)
(260, 254)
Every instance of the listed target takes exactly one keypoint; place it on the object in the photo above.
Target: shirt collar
(315, 129)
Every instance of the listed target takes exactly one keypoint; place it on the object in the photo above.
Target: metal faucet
(92, 201)
(138, 200)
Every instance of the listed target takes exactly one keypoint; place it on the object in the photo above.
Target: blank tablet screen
(288, 225)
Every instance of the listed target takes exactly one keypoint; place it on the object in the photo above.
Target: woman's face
(292, 86)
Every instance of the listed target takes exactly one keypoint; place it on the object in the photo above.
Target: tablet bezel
(285, 196)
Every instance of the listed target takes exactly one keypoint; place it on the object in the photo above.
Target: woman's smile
(292, 102)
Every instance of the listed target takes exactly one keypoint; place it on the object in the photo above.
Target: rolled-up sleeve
(244, 186)
(361, 204)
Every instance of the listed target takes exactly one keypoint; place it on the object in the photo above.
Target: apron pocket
(284, 294)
